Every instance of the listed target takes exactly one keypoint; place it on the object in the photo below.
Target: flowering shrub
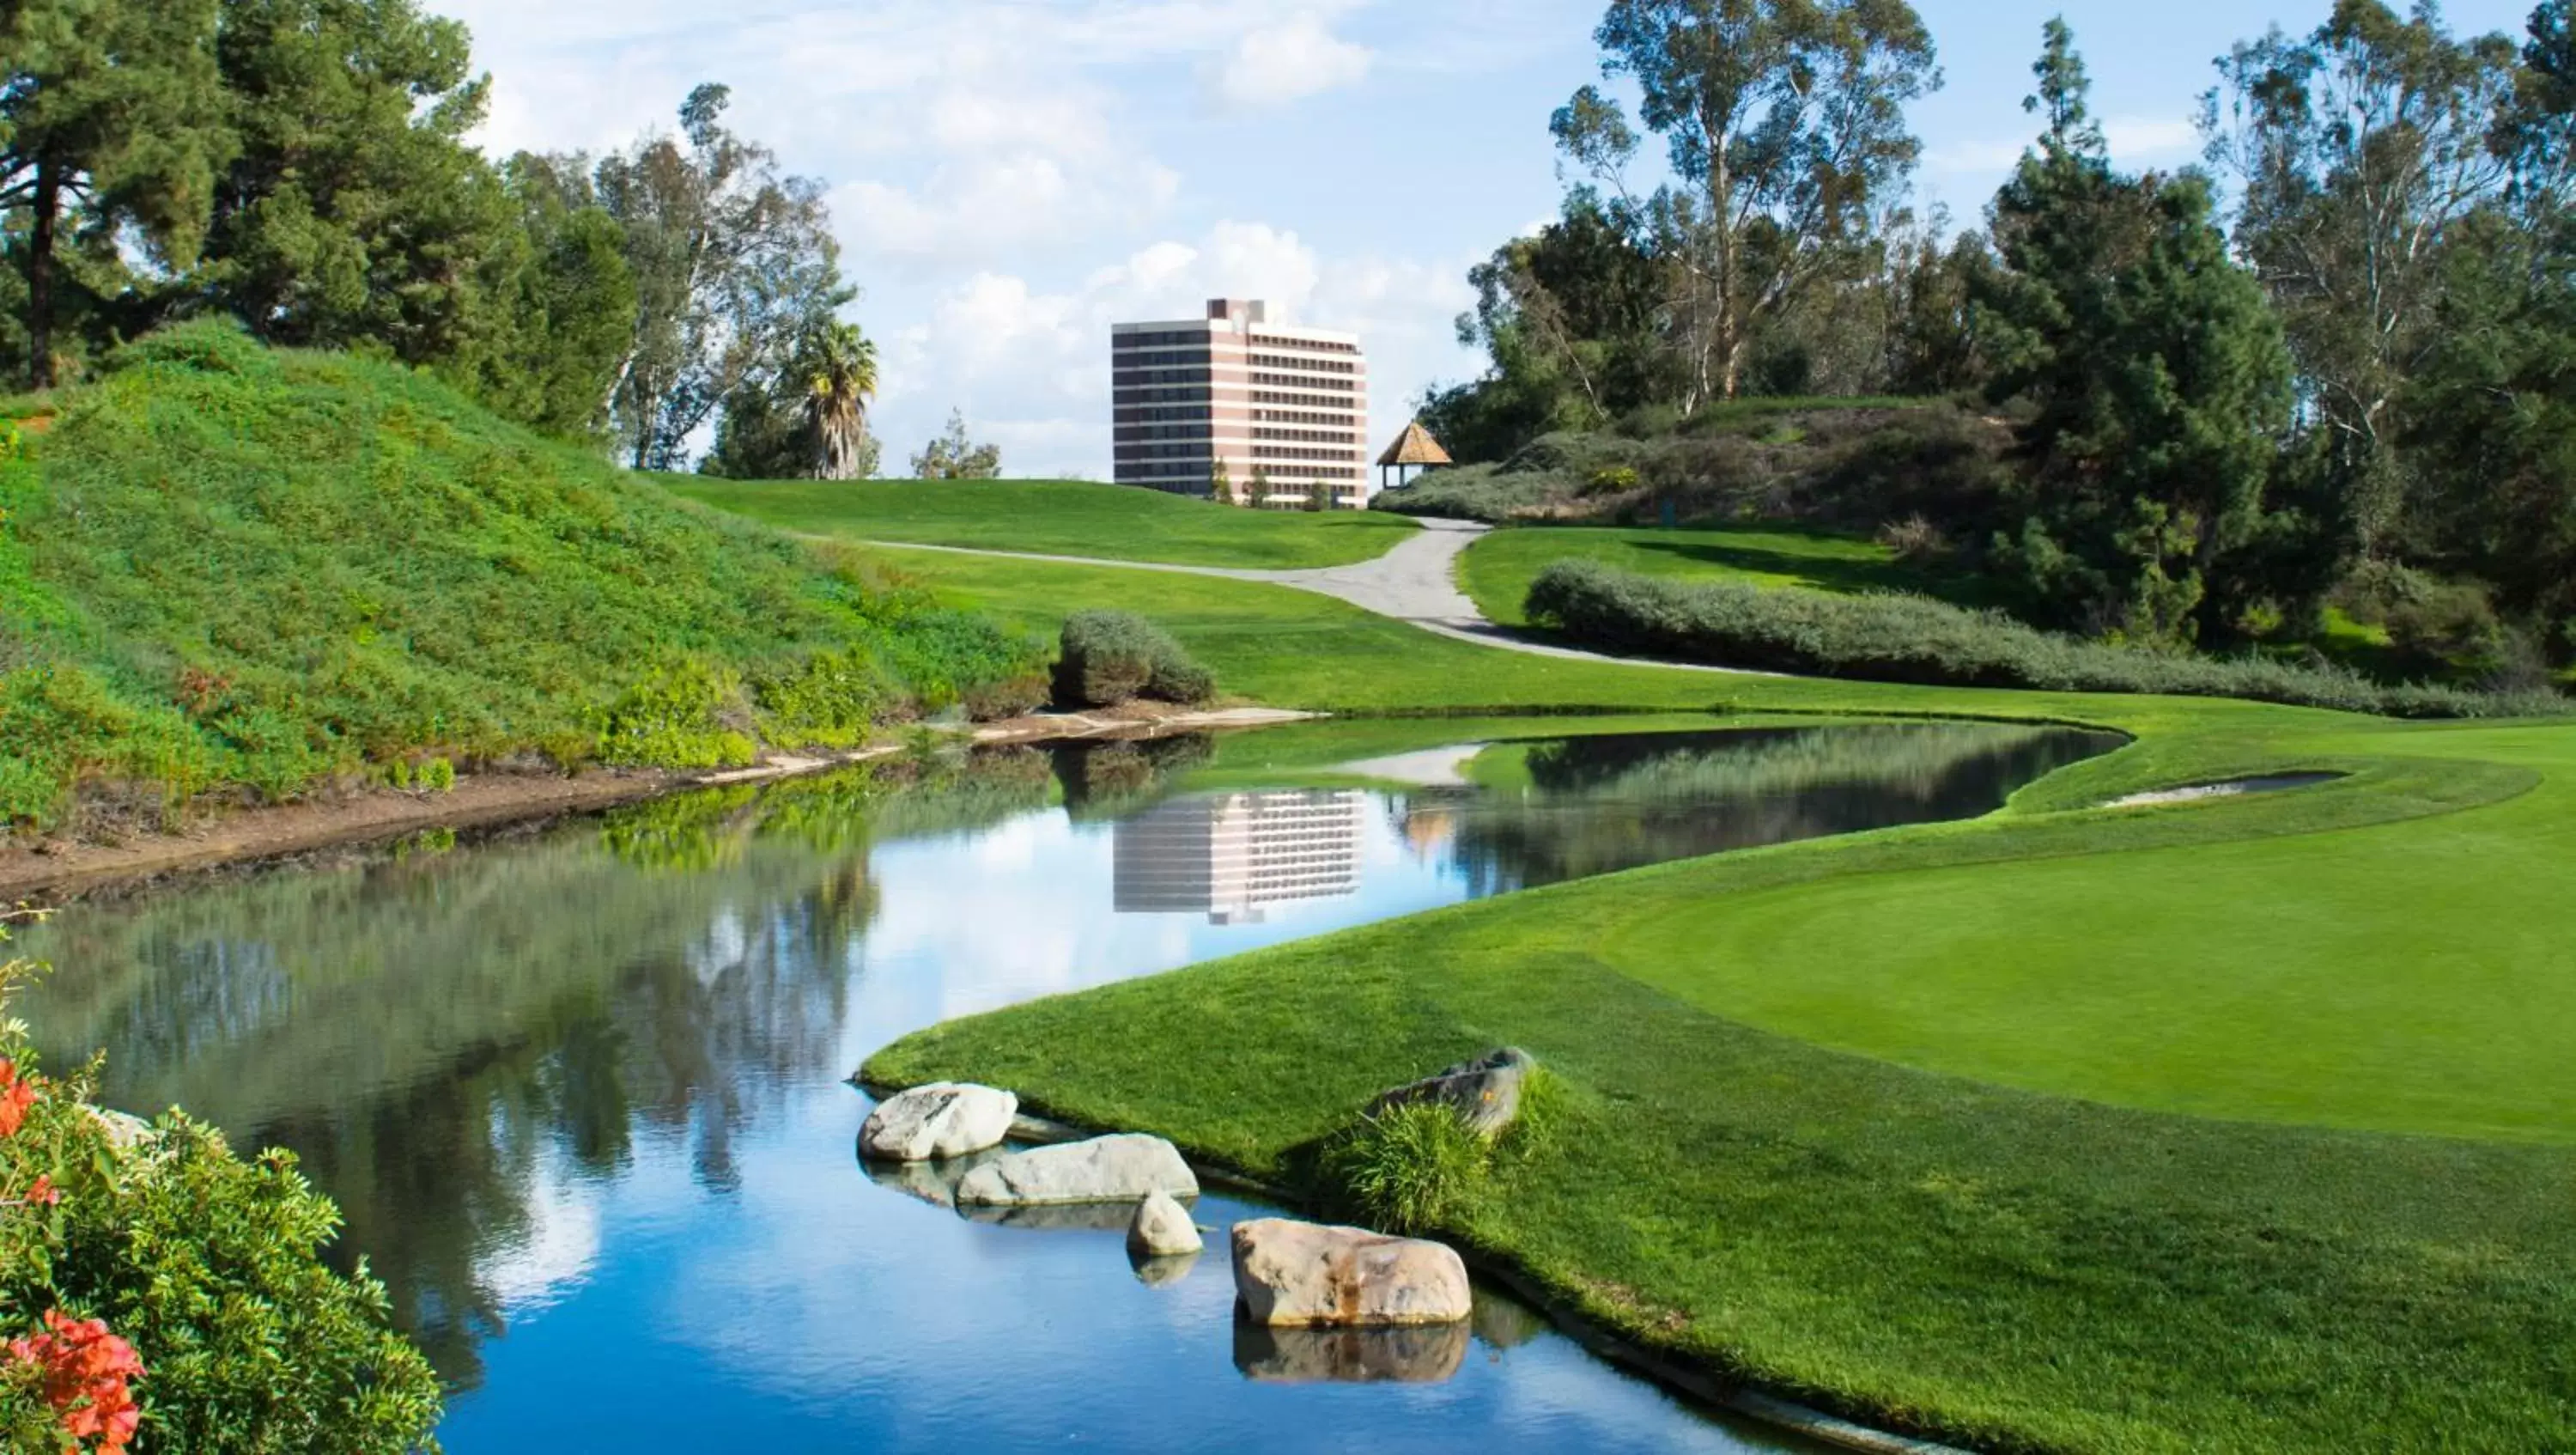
(84, 1375)
(159, 1292)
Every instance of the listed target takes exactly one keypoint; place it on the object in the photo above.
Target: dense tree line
(302, 165)
(2331, 365)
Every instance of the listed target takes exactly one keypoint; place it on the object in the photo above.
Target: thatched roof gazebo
(1413, 450)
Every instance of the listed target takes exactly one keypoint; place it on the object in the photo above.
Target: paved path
(1415, 583)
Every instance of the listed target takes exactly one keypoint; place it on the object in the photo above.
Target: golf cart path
(1415, 583)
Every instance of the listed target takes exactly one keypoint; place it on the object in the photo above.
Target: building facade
(1232, 401)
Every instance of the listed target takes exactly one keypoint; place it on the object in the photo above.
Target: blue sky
(1009, 177)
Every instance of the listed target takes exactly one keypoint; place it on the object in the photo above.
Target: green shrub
(958, 659)
(691, 714)
(1411, 1169)
(2447, 629)
(1614, 480)
(1917, 640)
(207, 1265)
(828, 700)
(425, 778)
(1110, 657)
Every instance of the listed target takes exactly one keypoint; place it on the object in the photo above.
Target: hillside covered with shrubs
(1853, 464)
(233, 570)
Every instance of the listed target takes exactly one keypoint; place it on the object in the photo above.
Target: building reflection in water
(1231, 856)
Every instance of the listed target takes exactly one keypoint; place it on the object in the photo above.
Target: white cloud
(1974, 156)
(1284, 63)
(2135, 141)
(2139, 141)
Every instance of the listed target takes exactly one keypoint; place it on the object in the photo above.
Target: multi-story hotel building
(1282, 410)
(1230, 856)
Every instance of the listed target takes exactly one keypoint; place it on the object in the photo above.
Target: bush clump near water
(1112, 657)
(233, 570)
(1418, 1167)
(158, 1291)
(1914, 639)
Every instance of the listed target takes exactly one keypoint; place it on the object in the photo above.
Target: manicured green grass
(2234, 1125)
(1049, 517)
(1498, 569)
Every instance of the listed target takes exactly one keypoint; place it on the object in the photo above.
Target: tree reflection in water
(426, 1030)
(1575, 807)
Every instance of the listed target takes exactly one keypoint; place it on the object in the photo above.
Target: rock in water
(1485, 1092)
(1104, 1169)
(945, 1119)
(1162, 1229)
(1308, 1275)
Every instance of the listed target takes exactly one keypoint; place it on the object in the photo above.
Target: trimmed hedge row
(1110, 657)
(1916, 640)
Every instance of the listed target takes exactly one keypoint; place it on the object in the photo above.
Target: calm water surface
(580, 1093)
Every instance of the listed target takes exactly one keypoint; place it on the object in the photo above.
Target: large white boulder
(1162, 1228)
(1104, 1169)
(1311, 1275)
(944, 1119)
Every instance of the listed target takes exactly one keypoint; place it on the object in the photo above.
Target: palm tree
(841, 373)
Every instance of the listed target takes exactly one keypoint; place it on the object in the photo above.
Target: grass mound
(1917, 640)
(228, 566)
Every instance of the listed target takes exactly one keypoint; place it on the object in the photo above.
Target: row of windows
(1197, 336)
(1127, 377)
(1287, 475)
(1283, 381)
(1159, 415)
(1283, 452)
(1348, 408)
(1127, 395)
(1302, 416)
(1310, 436)
(1127, 432)
(1276, 341)
(1291, 361)
(1162, 452)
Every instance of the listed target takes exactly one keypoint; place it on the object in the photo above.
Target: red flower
(15, 1097)
(44, 1193)
(88, 1374)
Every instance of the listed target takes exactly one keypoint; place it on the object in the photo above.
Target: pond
(580, 1088)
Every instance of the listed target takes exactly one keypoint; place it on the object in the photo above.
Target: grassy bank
(227, 568)
(1499, 568)
(2238, 1125)
(1048, 517)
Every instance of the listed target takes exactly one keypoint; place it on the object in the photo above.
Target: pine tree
(112, 120)
(2158, 373)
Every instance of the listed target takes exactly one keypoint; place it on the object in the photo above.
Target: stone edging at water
(1664, 1369)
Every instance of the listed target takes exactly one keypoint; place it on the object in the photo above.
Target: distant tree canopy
(2352, 384)
(302, 165)
(953, 456)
